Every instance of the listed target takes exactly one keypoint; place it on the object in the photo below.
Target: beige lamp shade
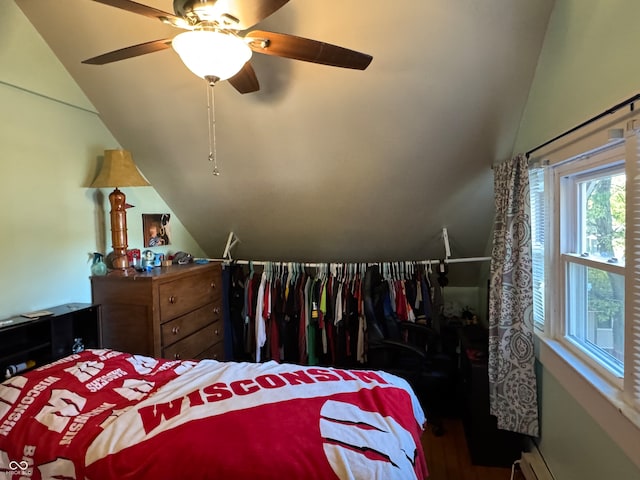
(118, 170)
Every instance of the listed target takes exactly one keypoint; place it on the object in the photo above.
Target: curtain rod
(313, 265)
(615, 108)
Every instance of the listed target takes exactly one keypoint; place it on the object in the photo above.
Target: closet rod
(313, 265)
(615, 108)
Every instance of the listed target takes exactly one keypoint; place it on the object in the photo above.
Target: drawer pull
(172, 299)
(216, 332)
(216, 310)
(175, 330)
(213, 285)
(176, 356)
(215, 356)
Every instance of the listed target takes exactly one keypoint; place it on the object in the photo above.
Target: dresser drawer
(181, 327)
(195, 344)
(181, 296)
(214, 352)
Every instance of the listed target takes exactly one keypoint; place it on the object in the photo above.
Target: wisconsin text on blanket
(153, 415)
(26, 400)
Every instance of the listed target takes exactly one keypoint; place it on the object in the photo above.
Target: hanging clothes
(304, 318)
(260, 325)
(226, 313)
(297, 315)
(274, 321)
(236, 302)
(291, 320)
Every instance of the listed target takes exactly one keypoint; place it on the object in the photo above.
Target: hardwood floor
(448, 457)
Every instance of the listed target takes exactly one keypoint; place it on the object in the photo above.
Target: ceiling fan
(213, 48)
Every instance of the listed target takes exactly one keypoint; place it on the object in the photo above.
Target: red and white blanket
(104, 414)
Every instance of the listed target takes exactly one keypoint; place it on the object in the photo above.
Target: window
(590, 239)
(588, 281)
(592, 259)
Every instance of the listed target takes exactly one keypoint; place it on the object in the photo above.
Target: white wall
(588, 64)
(51, 143)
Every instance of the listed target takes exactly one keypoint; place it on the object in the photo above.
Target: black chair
(408, 350)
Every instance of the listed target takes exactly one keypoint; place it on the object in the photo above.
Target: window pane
(602, 216)
(595, 313)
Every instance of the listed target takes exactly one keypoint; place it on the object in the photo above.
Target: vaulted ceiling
(323, 163)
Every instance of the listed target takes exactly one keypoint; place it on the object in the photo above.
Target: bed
(104, 414)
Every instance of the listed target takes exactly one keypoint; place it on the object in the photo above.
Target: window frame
(608, 160)
(616, 410)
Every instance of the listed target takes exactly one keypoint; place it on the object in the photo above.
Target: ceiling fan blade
(151, 12)
(298, 48)
(130, 52)
(235, 14)
(245, 81)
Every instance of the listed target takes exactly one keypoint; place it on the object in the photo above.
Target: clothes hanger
(289, 273)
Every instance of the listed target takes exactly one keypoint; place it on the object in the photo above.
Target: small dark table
(48, 338)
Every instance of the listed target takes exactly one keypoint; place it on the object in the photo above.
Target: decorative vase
(98, 267)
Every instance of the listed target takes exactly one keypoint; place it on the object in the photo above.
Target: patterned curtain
(512, 378)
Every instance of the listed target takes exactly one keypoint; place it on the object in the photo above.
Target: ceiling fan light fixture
(210, 53)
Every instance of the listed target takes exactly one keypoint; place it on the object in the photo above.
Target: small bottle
(78, 346)
(18, 367)
(98, 268)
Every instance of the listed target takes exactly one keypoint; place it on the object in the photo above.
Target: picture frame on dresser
(173, 312)
(156, 229)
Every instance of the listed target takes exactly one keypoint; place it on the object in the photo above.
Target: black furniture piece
(409, 350)
(487, 444)
(35, 342)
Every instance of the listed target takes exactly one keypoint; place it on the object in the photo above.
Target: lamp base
(119, 229)
(119, 261)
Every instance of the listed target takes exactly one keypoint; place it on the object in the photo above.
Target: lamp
(118, 170)
(211, 54)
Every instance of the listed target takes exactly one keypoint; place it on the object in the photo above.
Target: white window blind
(536, 191)
(632, 289)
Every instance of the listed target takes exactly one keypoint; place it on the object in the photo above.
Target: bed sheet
(103, 414)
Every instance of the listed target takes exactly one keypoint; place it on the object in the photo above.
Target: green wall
(573, 445)
(588, 63)
(51, 142)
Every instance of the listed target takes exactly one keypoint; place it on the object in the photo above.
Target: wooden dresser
(171, 312)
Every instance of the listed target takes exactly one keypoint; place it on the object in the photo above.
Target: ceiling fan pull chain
(211, 114)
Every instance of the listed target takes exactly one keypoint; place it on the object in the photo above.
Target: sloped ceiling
(323, 163)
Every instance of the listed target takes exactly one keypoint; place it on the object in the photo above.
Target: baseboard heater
(533, 466)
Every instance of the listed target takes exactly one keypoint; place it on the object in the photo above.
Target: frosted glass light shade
(209, 53)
